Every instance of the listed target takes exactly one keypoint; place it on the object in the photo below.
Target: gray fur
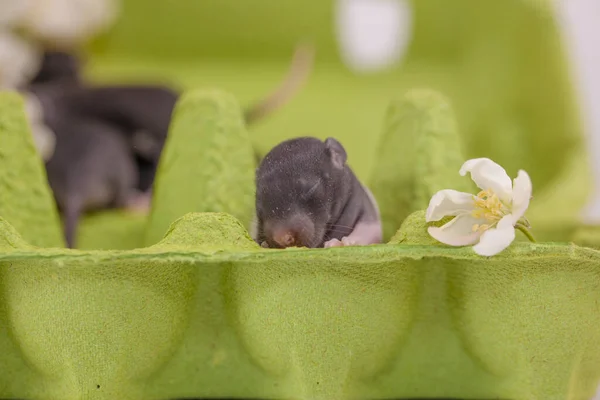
(307, 195)
(92, 166)
(92, 169)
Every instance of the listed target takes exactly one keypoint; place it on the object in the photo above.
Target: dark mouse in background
(130, 107)
(144, 111)
(92, 166)
(58, 75)
(307, 196)
(92, 169)
(141, 115)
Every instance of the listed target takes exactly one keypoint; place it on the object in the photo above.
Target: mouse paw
(346, 241)
(332, 243)
(139, 203)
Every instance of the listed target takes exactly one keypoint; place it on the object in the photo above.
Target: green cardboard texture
(419, 153)
(25, 199)
(208, 131)
(204, 312)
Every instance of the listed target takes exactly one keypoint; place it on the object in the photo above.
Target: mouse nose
(297, 231)
(285, 238)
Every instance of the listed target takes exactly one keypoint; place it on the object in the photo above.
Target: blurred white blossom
(43, 137)
(12, 12)
(19, 60)
(373, 35)
(68, 22)
(64, 24)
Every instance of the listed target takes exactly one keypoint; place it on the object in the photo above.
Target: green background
(501, 64)
(205, 312)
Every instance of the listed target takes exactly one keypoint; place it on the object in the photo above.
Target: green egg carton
(184, 305)
(200, 311)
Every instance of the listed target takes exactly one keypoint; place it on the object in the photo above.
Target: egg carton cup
(202, 311)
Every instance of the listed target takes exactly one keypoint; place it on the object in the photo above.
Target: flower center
(488, 206)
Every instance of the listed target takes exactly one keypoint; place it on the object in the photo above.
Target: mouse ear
(336, 151)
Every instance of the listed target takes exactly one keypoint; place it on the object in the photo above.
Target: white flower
(69, 22)
(19, 60)
(488, 218)
(44, 138)
(12, 11)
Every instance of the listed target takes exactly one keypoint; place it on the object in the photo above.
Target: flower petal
(495, 240)
(522, 189)
(458, 232)
(488, 175)
(448, 202)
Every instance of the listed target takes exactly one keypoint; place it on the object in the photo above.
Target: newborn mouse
(307, 196)
(92, 169)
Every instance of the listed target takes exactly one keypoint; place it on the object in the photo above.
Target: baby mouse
(92, 169)
(307, 196)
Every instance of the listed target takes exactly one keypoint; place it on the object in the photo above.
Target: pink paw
(140, 203)
(332, 243)
(346, 241)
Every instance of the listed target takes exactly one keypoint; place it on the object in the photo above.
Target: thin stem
(525, 222)
(526, 232)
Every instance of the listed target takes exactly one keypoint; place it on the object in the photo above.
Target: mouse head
(299, 186)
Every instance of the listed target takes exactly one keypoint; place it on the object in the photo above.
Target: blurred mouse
(145, 111)
(58, 66)
(92, 166)
(92, 169)
(307, 196)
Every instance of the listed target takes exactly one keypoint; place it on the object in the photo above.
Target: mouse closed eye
(311, 190)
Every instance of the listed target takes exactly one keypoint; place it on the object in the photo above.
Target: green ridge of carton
(419, 153)
(25, 200)
(209, 132)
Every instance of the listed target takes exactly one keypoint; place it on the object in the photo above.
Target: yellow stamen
(477, 213)
(487, 206)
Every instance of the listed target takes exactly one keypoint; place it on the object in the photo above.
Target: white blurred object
(33, 107)
(19, 60)
(69, 22)
(373, 34)
(579, 21)
(12, 11)
(44, 138)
